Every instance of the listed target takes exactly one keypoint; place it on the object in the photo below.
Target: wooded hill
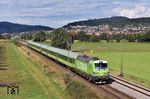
(7, 27)
(117, 21)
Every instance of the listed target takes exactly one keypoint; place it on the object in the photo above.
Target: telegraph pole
(121, 66)
(68, 44)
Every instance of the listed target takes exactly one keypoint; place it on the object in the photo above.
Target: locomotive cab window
(99, 66)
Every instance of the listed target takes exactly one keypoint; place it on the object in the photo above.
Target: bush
(66, 78)
(77, 90)
(17, 43)
(131, 38)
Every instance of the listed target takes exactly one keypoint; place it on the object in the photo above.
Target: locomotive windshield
(99, 66)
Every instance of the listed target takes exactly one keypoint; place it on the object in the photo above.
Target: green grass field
(32, 82)
(36, 78)
(136, 58)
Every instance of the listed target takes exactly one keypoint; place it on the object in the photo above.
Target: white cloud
(47, 12)
(139, 10)
(57, 13)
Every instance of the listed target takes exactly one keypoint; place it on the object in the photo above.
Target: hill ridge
(9, 27)
(115, 21)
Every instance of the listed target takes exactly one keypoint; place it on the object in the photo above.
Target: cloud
(139, 10)
(57, 13)
(50, 12)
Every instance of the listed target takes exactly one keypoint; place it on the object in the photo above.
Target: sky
(56, 13)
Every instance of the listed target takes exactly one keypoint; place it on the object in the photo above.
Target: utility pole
(41, 45)
(121, 66)
(68, 44)
(25, 36)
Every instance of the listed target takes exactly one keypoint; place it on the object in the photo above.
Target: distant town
(98, 30)
(113, 28)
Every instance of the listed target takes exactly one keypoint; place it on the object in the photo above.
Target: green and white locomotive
(92, 68)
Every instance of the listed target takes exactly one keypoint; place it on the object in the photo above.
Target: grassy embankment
(26, 74)
(36, 78)
(136, 58)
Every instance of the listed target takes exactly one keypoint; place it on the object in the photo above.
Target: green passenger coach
(92, 68)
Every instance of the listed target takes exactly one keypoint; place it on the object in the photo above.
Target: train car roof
(87, 58)
(54, 49)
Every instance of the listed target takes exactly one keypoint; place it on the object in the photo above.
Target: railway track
(117, 94)
(132, 86)
(106, 89)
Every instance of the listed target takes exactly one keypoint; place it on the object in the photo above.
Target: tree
(118, 37)
(48, 35)
(147, 36)
(1, 37)
(39, 37)
(139, 37)
(82, 36)
(130, 38)
(61, 39)
(105, 36)
(73, 34)
(7, 36)
(94, 38)
(27, 36)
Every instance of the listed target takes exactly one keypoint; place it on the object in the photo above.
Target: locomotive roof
(60, 51)
(87, 58)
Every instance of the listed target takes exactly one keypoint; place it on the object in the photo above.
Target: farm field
(17, 69)
(136, 58)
